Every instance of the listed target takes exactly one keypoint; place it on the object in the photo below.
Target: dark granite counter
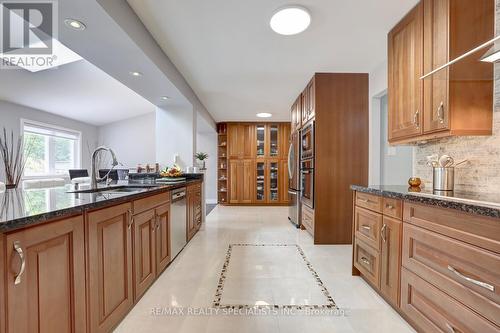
(483, 204)
(20, 208)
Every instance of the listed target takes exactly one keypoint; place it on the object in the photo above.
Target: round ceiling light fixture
(290, 20)
(165, 98)
(264, 115)
(135, 73)
(75, 24)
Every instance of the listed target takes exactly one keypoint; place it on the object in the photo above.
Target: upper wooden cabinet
(296, 114)
(308, 97)
(405, 69)
(45, 285)
(241, 140)
(457, 100)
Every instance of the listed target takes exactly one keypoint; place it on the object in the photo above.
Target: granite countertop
(20, 208)
(484, 204)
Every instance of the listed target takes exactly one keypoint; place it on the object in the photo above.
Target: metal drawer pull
(415, 119)
(365, 200)
(383, 232)
(450, 328)
(20, 253)
(471, 280)
(366, 227)
(365, 261)
(389, 206)
(130, 219)
(440, 113)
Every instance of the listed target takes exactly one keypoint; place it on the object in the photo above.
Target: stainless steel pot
(443, 179)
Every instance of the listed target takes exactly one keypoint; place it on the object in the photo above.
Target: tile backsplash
(482, 172)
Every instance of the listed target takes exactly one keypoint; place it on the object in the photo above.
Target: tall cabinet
(257, 162)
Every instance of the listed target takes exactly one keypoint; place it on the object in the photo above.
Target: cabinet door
(436, 48)
(49, 294)
(260, 140)
(191, 224)
(162, 237)
(198, 210)
(144, 251)
(234, 141)
(285, 132)
(295, 113)
(273, 142)
(304, 105)
(390, 259)
(248, 142)
(405, 44)
(109, 266)
(311, 100)
(247, 183)
(235, 175)
(273, 176)
(260, 181)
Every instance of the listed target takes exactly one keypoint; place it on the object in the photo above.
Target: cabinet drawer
(369, 201)
(466, 272)
(431, 310)
(308, 219)
(392, 207)
(150, 202)
(194, 187)
(367, 225)
(367, 261)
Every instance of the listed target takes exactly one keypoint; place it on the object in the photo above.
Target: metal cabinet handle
(364, 200)
(450, 328)
(440, 113)
(383, 232)
(365, 261)
(130, 218)
(416, 122)
(471, 280)
(388, 206)
(20, 253)
(366, 227)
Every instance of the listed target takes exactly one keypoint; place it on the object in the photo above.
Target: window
(49, 150)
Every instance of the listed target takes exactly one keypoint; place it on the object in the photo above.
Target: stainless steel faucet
(94, 179)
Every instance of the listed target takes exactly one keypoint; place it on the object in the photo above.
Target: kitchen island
(435, 257)
(78, 262)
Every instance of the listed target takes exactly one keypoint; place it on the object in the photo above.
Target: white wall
(133, 140)
(206, 141)
(10, 118)
(175, 135)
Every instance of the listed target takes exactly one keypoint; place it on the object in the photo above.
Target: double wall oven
(307, 165)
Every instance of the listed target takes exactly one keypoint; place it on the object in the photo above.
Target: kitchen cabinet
(296, 114)
(45, 285)
(261, 136)
(109, 266)
(240, 140)
(457, 100)
(405, 45)
(390, 258)
(163, 252)
(273, 176)
(144, 228)
(260, 182)
(284, 180)
(284, 140)
(194, 210)
(242, 181)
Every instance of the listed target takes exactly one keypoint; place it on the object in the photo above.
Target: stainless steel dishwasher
(178, 224)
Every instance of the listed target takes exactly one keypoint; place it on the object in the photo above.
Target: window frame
(78, 154)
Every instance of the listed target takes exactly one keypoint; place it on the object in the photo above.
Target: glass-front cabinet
(260, 181)
(261, 140)
(273, 140)
(273, 168)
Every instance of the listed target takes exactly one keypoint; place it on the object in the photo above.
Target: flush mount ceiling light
(165, 98)
(136, 73)
(264, 115)
(75, 24)
(290, 20)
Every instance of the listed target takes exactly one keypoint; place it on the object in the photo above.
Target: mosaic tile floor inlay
(251, 264)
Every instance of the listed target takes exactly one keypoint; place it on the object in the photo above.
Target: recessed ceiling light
(290, 20)
(264, 115)
(75, 24)
(165, 98)
(136, 73)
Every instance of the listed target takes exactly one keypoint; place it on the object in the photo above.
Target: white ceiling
(78, 91)
(238, 66)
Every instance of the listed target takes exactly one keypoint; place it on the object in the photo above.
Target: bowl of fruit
(172, 174)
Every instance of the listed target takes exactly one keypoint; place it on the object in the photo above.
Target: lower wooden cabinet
(390, 259)
(144, 251)
(45, 286)
(163, 251)
(109, 266)
(194, 210)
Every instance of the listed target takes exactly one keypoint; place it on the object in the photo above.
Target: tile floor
(181, 300)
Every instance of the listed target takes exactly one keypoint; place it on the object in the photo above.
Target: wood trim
(144, 250)
(150, 202)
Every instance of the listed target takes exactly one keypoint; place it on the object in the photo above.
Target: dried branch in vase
(13, 158)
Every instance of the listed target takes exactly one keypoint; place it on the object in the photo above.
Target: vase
(9, 186)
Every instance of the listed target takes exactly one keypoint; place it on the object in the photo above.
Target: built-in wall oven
(307, 141)
(307, 182)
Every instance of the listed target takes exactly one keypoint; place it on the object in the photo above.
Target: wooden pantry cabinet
(194, 213)
(457, 100)
(257, 163)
